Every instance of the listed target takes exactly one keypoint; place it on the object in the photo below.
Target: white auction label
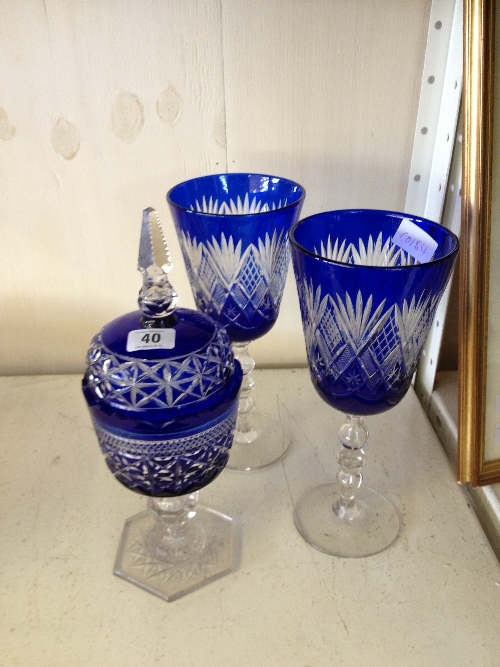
(415, 241)
(150, 339)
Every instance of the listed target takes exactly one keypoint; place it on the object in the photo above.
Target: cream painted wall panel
(105, 106)
(324, 92)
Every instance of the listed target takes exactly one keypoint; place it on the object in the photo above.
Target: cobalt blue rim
(241, 215)
(316, 256)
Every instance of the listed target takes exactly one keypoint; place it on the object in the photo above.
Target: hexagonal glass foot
(171, 550)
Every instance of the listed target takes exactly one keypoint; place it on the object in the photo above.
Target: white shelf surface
(431, 599)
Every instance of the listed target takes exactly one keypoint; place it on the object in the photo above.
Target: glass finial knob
(157, 297)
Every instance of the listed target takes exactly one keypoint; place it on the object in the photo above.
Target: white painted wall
(105, 105)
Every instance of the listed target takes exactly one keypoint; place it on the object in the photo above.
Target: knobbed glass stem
(259, 440)
(347, 518)
(167, 540)
(245, 432)
(351, 457)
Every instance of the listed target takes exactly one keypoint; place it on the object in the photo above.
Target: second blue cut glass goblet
(233, 231)
(367, 306)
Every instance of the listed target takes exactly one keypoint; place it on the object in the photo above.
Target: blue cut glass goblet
(233, 231)
(367, 306)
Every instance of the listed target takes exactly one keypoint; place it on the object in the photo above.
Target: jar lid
(197, 365)
(159, 357)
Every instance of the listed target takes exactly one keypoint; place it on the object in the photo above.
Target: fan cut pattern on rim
(361, 349)
(168, 467)
(375, 253)
(238, 207)
(139, 384)
(232, 284)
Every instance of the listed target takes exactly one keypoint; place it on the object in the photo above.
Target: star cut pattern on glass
(152, 568)
(237, 283)
(171, 568)
(139, 384)
(168, 467)
(349, 343)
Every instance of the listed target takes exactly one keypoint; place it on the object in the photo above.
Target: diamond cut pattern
(234, 283)
(359, 349)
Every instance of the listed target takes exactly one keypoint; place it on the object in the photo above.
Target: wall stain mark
(127, 116)
(7, 130)
(65, 138)
(169, 105)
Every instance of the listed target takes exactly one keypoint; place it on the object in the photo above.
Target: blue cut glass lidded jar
(162, 388)
(164, 417)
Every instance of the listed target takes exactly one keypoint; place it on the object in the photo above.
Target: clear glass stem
(167, 540)
(351, 458)
(244, 432)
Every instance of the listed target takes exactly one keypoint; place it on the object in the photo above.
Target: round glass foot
(263, 445)
(373, 530)
(150, 558)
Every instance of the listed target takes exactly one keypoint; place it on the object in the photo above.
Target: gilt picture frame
(479, 317)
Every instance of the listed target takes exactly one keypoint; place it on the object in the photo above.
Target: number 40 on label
(154, 339)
